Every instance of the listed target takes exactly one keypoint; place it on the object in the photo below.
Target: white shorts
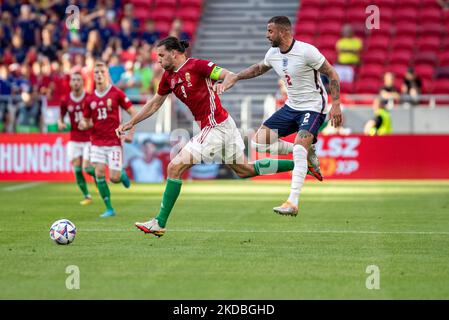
(220, 144)
(78, 149)
(111, 156)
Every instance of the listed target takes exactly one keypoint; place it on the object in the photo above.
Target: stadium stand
(413, 33)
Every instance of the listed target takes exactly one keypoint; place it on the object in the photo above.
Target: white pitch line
(281, 231)
(22, 186)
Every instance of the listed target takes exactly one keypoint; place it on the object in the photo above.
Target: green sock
(267, 166)
(104, 192)
(81, 181)
(90, 171)
(171, 193)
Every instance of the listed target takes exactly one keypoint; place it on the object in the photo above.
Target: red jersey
(192, 85)
(74, 106)
(104, 110)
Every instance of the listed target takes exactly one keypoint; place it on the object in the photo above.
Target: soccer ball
(63, 231)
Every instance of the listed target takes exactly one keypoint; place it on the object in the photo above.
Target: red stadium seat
(306, 28)
(429, 58)
(372, 87)
(398, 70)
(163, 26)
(164, 14)
(359, 30)
(408, 3)
(332, 14)
(190, 3)
(429, 43)
(374, 71)
(424, 71)
(358, 3)
(405, 43)
(356, 14)
(405, 14)
(443, 58)
(430, 15)
(441, 87)
(430, 4)
(346, 87)
(329, 28)
(378, 42)
(406, 29)
(386, 29)
(375, 56)
(385, 4)
(326, 42)
(305, 38)
(400, 56)
(190, 27)
(189, 14)
(386, 14)
(336, 4)
(166, 3)
(309, 14)
(433, 29)
(330, 55)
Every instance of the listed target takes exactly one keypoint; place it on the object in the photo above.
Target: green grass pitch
(224, 242)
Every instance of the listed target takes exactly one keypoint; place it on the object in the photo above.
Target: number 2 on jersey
(288, 79)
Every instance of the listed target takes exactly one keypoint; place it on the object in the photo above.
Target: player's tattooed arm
(253, 71)
(230, 78)
(334, 87)
(147, 111)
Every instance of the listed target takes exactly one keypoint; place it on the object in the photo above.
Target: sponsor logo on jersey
(101, 103)
(70, 108)
(93, 104)
(210, 64)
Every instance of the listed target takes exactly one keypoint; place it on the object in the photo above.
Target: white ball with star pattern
(63, 231)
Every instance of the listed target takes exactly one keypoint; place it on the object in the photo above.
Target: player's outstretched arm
(85, 124)
(334, 86)
(147, 111)
(230, 78)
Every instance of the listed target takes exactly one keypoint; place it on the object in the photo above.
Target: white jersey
(298, 68)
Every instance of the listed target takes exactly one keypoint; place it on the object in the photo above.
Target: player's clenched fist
(121, 130)
(228, 82)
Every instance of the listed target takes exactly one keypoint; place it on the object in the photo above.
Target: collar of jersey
(182, 65)
(104, 93)
(77, 99)
(289, 49)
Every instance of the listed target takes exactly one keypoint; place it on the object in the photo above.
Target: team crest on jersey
(70, 108)
(284, 62)
(109, 104)
(93, 104)
(188, 79)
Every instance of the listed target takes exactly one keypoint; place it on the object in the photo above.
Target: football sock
(171, 193)
(299, 173)
(104, 192)
(124, 178)
(81, 181)
(90, 171)
(267, 166)
(278, 147)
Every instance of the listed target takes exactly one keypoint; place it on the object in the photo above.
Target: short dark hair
(281, 21)
(173, 43)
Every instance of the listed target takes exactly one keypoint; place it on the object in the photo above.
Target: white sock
(299, 173)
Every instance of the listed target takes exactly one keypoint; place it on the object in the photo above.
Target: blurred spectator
(28, 117)
(126, 34)
(48, 47)
(18, 50)
(94, 45)
(388, 93)
(28, 26)
(148, 168)
(150, 35)
(4, 114)
(348, 53)
(145, 73)
(130, 81)
(5, 85)
(116, 69)
(128, 13)
(177, 30)
(17, 81)
(381, 124)
(411, 87)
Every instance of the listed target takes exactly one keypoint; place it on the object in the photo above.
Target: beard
(275, 43)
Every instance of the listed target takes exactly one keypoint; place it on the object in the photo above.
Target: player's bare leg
(81, 181)
(267, 140)
(119, 177)
(182, 162)
(100, 173)
(303, 141)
